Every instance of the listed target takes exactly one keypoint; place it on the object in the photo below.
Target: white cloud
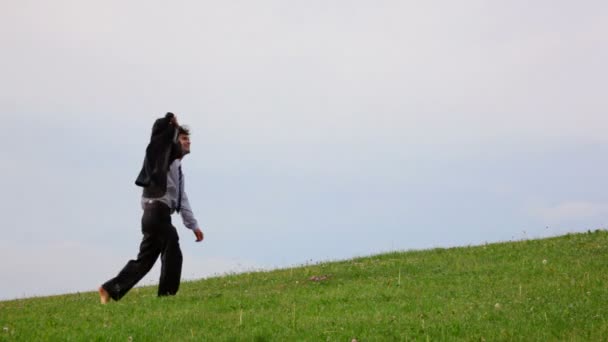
(571, 210)
(267, 72)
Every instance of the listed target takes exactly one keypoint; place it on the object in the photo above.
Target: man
(163, 194)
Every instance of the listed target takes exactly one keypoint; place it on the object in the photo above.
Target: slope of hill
(549, 289)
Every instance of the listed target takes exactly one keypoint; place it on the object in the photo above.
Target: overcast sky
(321, 130)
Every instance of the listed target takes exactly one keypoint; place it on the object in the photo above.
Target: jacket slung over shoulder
(160, 153)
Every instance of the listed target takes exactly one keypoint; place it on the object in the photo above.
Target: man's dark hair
(184, 130)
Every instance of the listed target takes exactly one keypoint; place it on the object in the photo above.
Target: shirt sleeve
(187, 214)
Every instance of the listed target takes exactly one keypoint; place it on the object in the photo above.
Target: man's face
(184, 140)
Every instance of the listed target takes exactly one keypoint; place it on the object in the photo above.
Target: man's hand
(174, 121)
(199, 235)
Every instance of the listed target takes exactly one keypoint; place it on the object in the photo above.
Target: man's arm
(188, 218)
(164, 133)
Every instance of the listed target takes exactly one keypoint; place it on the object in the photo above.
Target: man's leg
(171, 258)
(153, 223)
(134, 270)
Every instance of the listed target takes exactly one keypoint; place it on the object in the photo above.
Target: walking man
(163, 194)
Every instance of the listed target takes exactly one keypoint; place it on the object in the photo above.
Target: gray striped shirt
(170, 197)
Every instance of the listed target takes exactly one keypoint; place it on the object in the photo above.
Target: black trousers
(160, 238)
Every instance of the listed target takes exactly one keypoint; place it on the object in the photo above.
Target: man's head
(183, 137)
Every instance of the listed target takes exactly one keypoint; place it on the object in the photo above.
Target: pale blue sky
(321, 130)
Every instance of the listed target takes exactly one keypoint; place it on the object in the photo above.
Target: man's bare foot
(104, 296)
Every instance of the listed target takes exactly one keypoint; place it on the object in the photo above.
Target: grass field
(534, 290)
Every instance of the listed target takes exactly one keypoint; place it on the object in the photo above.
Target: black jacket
(162, 150)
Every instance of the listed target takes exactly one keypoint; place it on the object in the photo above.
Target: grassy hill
(549, 289)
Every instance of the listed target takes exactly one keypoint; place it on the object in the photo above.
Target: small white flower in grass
(544, 261)
(497, 306)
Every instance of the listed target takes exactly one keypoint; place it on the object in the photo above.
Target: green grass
(500, 291)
